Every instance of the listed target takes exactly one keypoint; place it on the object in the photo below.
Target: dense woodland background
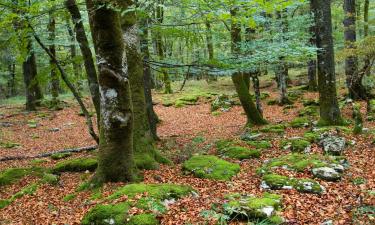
(187, 112)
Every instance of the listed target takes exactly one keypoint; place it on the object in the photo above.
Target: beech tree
(329, 109)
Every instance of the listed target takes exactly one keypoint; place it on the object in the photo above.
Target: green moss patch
(277, 128)
(238, 152)
(153, 200)
(297, 162)
(279, 182)
(211, 167)
(296, 145)
(12, 175)
(76, 165)
(58, 156)
(309, 111)
(299, 122)
(250, 208)
(260, 144)
(25, 191)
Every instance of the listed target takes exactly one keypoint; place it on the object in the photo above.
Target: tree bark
(312, 64)
(151, 115)
(366, 32)
(253, 115)
(329, 109)
(29, 76)
(116, 161)
(81, 37)
(353, 78)
(55, 82)
(12, 80)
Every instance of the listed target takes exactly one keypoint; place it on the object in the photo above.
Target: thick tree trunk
(144, 149)
(256, 86)
(81, 37)
(210, 49)
(55, 82)
(151, 115)
(282, 75)
(312, 64)
(116, 130)
(329, 109)
(253, 115)
(12, 80)
(353, 78)
(366, 33)
(29, 75)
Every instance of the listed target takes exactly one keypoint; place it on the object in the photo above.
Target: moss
(9, 145)
(167, 103)
(237, 152)
(221, 144)
(309, 111)
(277, 128)
(299, 122)
(260, 144)
(28, 190)
(307, 186)
(250, 207)
(69, 197)
(189, 98)
(275, 181)
(216, 113)
(299, 145)
(157, 191)
(275, 219)
(50, 179)
(107, 214)
(12, 175)
(272, 102)
(76, 165)
(211, 167)
(150, 160)
(297, 162)
(312, 137)
(37, 161)
(144, 219)
(58, 156)
(179, 103)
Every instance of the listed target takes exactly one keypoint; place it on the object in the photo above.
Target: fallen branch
(48, 154)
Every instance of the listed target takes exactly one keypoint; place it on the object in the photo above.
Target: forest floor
(184, 131)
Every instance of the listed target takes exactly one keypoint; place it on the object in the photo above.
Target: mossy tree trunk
(147, 75)
(353, 78)
(81, 37)
(210, 48)
(144, 149)
(329, 109)
(366, 32)
(116, 160)
(12, 91)
(242, 89)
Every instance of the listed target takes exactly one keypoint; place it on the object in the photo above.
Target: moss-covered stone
(12, 175)
(76, 165)
(260, 144)
(273, 128)
(296, 144)
(238, 152)
(299, 122)
(247, 208)
(50, 179)
(211, 167)
(58, 156)
(152, 201)
(277, 182)
(297, 162)
(307, 186)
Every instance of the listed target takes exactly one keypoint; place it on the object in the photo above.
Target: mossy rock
(279, 182)
(273, 128)
(311, 136)
(58, 156)
(189, 98)
(76, 165)
(297, 162)
(150, 160)
(118, 213)
(299, 122)
(211, 167)
(238, 152)
(243, 207)
(225, 143)
(296, 145)
(260, 144)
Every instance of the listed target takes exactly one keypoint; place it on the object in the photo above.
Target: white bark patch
(111, 94)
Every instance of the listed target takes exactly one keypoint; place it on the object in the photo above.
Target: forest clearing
(187, 112)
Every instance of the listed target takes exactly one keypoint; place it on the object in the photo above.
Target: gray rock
(326, 173)
(331, 144)
(250, 136)
(337, 167)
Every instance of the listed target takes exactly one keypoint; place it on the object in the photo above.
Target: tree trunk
(151, 115)
(81, 37)
(312, 64)
(29, 75)
(353, 78)
(210, 49)
(77, 69)
(329, 109)
(144, 149)
(116, 130)
(256, 85)
(55, 82)
(366, 33)
(242, 89)
(12, 80)
(282, 75)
